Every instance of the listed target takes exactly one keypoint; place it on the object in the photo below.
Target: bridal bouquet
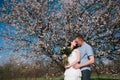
(65, 52)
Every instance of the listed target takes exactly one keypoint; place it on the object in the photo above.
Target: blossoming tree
(42, 26)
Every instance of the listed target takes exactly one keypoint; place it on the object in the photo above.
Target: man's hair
(79, 36)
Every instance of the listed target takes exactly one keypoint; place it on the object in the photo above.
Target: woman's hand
(67, 66)
(64, 56)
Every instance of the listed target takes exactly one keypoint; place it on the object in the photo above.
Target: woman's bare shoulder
(76, 50)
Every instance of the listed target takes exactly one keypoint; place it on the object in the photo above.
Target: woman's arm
(77, 59)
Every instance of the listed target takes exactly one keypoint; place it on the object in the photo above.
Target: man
(86, 57)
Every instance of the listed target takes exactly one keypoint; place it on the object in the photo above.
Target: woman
(73, 58)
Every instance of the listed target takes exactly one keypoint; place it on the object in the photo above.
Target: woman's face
(73, 43)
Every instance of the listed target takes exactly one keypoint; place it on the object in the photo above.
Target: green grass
(104, 78)
(92, 78)
(39, 79)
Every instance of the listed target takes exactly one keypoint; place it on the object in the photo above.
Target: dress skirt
(72, 74)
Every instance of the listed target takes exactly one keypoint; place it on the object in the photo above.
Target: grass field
(92, 78)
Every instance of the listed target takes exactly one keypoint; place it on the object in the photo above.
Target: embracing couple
(79, 60)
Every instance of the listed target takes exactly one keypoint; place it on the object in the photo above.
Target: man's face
(78, 41)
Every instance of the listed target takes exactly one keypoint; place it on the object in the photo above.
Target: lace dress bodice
(72, 57)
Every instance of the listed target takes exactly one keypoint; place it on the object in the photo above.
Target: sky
(1, 1)
(3, 53)
(6, 50)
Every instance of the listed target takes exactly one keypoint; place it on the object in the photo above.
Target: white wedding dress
(71, 73)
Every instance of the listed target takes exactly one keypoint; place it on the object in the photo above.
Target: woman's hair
(68, 43)
(75, 47)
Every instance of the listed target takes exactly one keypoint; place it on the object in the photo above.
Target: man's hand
(91, 61)
(76, 66)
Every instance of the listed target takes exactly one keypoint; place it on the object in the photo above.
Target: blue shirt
(85, 51)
